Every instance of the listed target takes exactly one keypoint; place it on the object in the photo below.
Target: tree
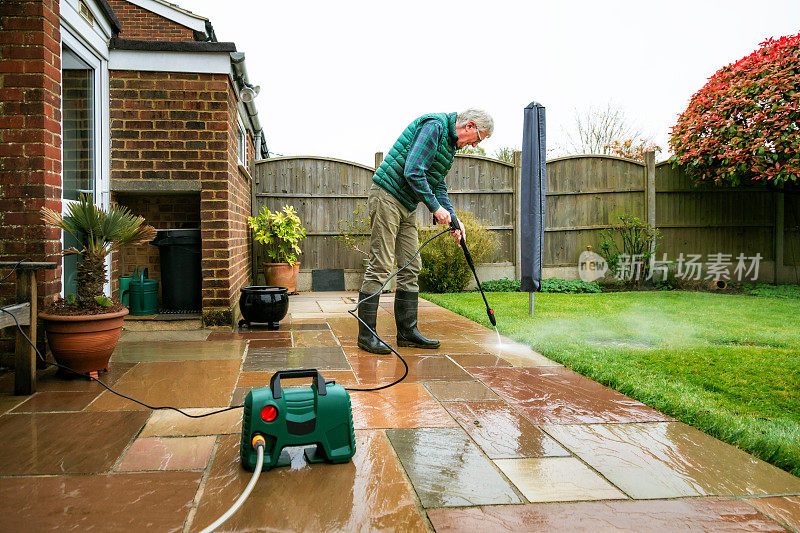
(743, 124)
(505, 153)
(632, 149)
(596, 128)
(471, 150)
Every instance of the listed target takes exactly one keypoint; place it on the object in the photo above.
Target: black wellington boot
(405, 315)
(368, 312)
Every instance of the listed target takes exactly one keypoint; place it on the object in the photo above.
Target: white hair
(480, 117)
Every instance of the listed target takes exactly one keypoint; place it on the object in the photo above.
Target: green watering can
(142, 294)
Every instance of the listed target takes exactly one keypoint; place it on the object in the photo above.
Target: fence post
(779, 222)
(517, 200)
(650, 192)
(378, 159)
(24, 353)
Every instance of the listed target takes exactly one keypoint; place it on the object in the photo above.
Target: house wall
(30, 137)
(168, 127)
(139, 23)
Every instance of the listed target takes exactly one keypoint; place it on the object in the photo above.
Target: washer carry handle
(275, 380)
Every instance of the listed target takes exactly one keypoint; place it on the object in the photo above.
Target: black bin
(180, 269)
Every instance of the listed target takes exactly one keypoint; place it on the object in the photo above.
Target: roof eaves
(170, 46)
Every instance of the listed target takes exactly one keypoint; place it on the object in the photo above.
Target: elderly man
(413, 171)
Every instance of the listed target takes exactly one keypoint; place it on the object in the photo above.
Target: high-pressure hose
(258, 443)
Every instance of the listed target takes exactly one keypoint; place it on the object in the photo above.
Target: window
(241, 145)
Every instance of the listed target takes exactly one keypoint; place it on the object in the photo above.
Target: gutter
(240, 74)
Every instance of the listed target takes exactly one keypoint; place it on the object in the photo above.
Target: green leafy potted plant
(280, 233)
(83, 329)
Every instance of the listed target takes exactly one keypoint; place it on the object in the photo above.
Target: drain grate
(180, 312)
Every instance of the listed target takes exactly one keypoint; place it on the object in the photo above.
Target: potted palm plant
(280, 233)
(83, 329)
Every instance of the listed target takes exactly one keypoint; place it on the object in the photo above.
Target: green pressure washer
(297, 416)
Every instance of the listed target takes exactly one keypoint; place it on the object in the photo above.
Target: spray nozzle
(490, 312)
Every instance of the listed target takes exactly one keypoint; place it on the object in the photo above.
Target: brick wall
(183, 126)
(139, 23)
(172, 211)
(168, 125)
(30, 136)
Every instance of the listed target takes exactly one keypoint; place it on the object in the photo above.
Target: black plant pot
(263, 305)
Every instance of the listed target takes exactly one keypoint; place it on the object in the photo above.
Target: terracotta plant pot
(282, 275)
(83, 343)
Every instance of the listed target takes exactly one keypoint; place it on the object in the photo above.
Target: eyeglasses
(480, 138)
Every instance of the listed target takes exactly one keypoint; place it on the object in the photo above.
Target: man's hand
(459, 233)
(442, 216)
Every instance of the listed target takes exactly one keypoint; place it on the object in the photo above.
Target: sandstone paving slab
(165, 336)
(447, 469)
(170, 423)
(271, 359)
(65, 443)
(55, 401)
(314, 338)
(255, 380)
(367, 494)
(386, 368)
(557, 479)
(669, 460)
(460, 391)
(501, 432)
(297, 306)
(656, 516)
(54, 380)
(405, 405)
(131, 352)
(179, 384)
(156, 501)
(783, 509)
(468, 360)
(557, 395)
(248, 334)
(167, 453)
(335, 306)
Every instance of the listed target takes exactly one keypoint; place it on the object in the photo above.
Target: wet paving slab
(167, 453)
(179, 384)
(65, 443)
(557, 395)
(111, 502)
(501, 432)
(785, 509)
(260, 359)
(557, 479)
(250, 335)
(406, 405)
(386, 368)
(448, 470)
(655, 516)
(346, 378)
(55, 401)
(519, 355)
(170, 423)
(670, 460)
(314, 338)
(460, 391)
(55, 380)
(367, 494)
(468, 360)
(129, 352)
(165, 336)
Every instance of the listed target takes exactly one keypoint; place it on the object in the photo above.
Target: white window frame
(241, 142)
(101, 122)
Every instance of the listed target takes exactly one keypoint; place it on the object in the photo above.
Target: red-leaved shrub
(744, 124)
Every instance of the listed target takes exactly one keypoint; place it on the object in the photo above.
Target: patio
(479, 435)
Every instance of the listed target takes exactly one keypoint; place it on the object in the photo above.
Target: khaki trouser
(394, 236)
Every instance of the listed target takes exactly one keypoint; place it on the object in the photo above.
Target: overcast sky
(342, 79)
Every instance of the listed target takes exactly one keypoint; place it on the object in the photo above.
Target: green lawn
(726, 364)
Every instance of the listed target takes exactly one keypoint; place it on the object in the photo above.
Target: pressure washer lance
(489, 310)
